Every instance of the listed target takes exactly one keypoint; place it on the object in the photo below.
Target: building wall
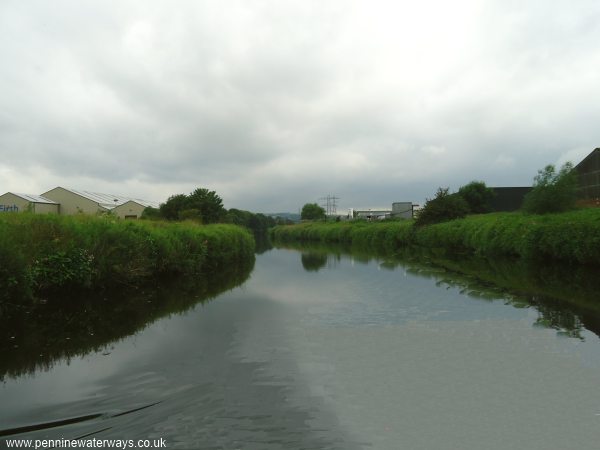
(373, 213)
(402, 210)
(71, 203)
(129, 210)
(508, 198)
(13, 203)
(45, 208)
(588, 172)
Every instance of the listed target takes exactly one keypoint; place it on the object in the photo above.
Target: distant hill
(294, 217)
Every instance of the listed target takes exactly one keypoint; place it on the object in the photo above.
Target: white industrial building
(402, 210)
(66, 201)
(16, 202)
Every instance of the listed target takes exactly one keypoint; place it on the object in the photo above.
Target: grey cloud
(274, 103)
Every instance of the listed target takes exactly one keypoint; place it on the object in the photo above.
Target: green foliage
(312, 211)
(442, 208)
(48, 252)
(552, 192)
(63, 269)
(151, 213)
(201, 204)
(174, 204)
(191, 214)
(258, 223)
(573, 236)
(478, 196)
(208, 203)
(379, 235)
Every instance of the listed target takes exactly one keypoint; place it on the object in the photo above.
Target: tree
(552, 192)
(208, 203)
(200, 204)
(442, 208)
(478, 196)
(312, 211)
(173, 206)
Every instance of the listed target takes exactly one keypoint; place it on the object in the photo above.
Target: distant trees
(202, 205)
(312, 211)
(552, 192)
(257, 222)
(206, 207)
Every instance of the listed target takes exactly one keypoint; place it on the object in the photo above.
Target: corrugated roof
(110, 201)
(145, 203)
(34, 198)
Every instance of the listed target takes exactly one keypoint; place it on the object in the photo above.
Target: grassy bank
(573, 237)
(47, 252)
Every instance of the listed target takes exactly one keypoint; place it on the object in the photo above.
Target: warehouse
(508, 198)
(15, 202)
(588, 172)
(132, 209)
(71, 201)
(74, 201)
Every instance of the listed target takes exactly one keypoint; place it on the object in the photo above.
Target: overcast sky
(276, 103)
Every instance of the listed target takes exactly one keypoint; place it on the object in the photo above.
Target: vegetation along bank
(41, 253)
(572, 236)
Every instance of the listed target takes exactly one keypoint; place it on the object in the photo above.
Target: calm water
(317, 351)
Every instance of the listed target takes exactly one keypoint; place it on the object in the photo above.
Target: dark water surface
(319, 351)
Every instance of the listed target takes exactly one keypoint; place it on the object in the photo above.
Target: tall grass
(46, 252)
(359, 233)
(573, 237)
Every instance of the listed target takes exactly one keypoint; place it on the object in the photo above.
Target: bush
(442, 208)
(552, 192)
(478, 196)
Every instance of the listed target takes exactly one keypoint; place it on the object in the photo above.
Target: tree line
(205, 206)
(552, 192)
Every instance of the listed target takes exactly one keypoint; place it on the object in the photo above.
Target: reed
(573, 237)
(48, 252)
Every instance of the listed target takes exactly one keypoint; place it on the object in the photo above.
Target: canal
(315, 350)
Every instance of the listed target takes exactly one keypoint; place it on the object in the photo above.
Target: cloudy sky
(275, 103)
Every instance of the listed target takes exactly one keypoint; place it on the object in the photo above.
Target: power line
(330, 204)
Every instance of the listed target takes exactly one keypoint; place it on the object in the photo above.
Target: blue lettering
(9, 208)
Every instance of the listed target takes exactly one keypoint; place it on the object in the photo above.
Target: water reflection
(354, 356)
(313, 261)
(34, 337)
(565, 297)
(262, 242)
